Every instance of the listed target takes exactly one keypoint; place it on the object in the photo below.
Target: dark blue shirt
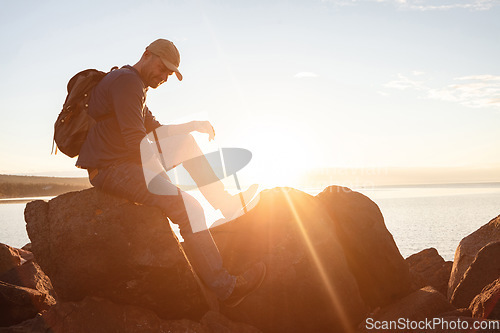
(117, 139)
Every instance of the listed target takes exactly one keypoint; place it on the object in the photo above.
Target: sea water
(418, 217)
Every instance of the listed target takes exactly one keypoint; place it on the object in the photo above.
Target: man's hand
(204, 127)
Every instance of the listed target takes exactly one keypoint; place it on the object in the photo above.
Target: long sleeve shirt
(117, 138)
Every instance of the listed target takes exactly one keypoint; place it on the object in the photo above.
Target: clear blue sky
(299, 83)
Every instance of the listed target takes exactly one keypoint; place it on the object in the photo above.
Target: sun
(281, 151)
(279, 158)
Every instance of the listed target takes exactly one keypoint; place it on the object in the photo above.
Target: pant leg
(126, 180)
(182, 149)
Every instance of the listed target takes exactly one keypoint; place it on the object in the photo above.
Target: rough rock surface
(487, 303)
(464, 312)
(30, 275)
(216, 323)
(98, 315)
(423, 303)
(18, 303)
(308, 286)
(370, 250)
(482, 271)
(93, 244)
(469, 247)
(428, 268)
(11, 257)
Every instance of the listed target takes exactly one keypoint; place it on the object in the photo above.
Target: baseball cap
(168, 54)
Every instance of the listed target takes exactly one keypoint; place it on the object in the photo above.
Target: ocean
(419, 216)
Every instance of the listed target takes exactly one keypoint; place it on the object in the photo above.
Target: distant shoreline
(17, 188)
(12, 186)
(4, 201)
(465, 184)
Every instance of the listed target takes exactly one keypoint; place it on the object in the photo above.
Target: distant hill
(34, 186)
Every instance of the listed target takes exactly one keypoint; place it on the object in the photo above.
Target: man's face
(156, 72)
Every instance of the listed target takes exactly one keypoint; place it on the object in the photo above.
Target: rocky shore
(97, 263)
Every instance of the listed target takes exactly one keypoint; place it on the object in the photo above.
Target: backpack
(74, 122)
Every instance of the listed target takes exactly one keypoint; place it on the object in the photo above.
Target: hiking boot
(246, 284)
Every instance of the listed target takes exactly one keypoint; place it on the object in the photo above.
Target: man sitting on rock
(112, 156)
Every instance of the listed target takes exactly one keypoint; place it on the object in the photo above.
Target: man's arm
(192, 126)
(127, 99)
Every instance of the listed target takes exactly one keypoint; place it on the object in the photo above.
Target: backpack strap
(111, 114)
(53, 144)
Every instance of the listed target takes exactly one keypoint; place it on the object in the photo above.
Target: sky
(301, 84)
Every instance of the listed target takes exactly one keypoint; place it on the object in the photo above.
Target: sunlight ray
(337, 304)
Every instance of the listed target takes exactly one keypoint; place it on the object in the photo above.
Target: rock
(423, 303)
(428, 268)
(482, 271)
(11, 257)
(98, 315)
(25, 255)
(428, 304)
(217, 323)
(372, 255)
(308, 286)
(93, 244)
(469, 247)
(487, 303)
(30, 275)
(18, 303)
(464, 312)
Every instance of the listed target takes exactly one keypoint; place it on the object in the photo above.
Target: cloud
(425, 5)
(475, 91)
(404, 82)
(301, 75)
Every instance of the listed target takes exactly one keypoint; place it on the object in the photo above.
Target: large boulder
(30, 275)
(419, 305)
(19, 303)
(215, 322)
(424, 311)
(468, 249)
(428, 268)
(98, 315)
(487, 303)
(308, 286)
(482, 271)
(93, 244)
(372, 255)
